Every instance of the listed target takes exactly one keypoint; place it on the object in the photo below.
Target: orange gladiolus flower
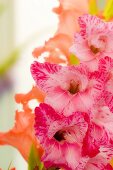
(22, 135)
(58, 46)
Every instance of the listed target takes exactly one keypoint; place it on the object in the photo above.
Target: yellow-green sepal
(74, 60)
(34, 161)
(93, 7)
(108, 11)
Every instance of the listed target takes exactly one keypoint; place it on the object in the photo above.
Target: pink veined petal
(98, 81)
(107, 151)
(102, 116)
(106, 67)
(82, 163)
(102, 160)
(97, 163)
(89, 24)
(108, 97)
(72, 155)
(105, 64)
(95, 137)
(42, 74)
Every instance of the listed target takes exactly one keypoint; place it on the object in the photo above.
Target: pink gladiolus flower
(72, 143)
(67, 88)
(60, 136)
(94, 40)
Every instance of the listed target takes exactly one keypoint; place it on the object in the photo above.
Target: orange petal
(22, 135)
(58, 50)
(58, 46)
(35, 93)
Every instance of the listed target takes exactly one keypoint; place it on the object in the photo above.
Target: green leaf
(10, 60)
(73, 60)
(108, 11)
(34, 162)
(93, 8)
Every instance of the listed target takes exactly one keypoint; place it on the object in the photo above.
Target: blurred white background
(23, 21)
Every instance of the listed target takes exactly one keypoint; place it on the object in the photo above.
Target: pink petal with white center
(66, 87)
(67, 104)
(60, 136)
(81, 48)
(94, 40)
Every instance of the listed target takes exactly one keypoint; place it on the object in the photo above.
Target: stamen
(74, 87)
(59, 136)
(94, 49)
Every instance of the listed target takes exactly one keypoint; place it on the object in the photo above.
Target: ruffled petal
(95, 137)
(68, 12)
(45, 75)
(22, 136)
